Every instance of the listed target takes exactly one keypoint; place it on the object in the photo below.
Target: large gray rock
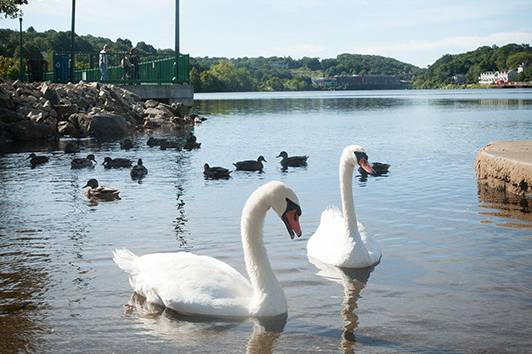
(8, 116)
(65, 110)
(28, 131)
(5, 100)
(108, 125)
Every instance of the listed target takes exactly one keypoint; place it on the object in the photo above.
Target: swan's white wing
(191, 284)
(330, 244)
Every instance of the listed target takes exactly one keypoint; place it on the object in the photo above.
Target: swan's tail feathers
(125, 260)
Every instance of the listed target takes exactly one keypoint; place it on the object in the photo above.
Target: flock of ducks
(218, 172)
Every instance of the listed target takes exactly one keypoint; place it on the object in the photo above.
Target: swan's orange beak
(366, 166)
(291, 219)
(362, 160)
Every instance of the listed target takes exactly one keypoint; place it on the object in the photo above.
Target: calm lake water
(456, 273)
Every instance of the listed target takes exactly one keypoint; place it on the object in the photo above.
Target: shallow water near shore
(455, 274)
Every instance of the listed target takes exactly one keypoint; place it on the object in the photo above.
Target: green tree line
(472, 63)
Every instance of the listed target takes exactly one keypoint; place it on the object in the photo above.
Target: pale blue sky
(414, 31)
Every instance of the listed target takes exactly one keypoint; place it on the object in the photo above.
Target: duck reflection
(353, 281)
(196, 331)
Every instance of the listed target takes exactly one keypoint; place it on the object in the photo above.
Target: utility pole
(21, 69)
(72, 36)
(176, 40)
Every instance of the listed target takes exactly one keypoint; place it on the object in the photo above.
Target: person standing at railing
(125, 63)
(134, 63)
(104, 63)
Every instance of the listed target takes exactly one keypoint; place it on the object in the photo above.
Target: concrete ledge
(179, 93)
(505, 167)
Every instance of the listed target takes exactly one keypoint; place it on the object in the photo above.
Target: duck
(165, 144)
(89, 161)
(191, 143)
(250, 165)
(216, 172)
(138, 171)
(378, 168)
(199, 285)
(154, 141)
(292, 161)
(71, 148)
(116, 163)
(36, 160)
(339, 239)
(98, 193)
(126, 144)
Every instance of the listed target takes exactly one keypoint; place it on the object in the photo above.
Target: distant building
(496, 77)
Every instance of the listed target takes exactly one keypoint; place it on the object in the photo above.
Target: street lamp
(72, 35)
(176, 40)
(21, 68)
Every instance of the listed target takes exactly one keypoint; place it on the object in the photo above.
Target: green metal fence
(154, 71)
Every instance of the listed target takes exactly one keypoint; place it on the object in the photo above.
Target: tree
(10, 8)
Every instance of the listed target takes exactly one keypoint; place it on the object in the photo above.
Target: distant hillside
(471, 64)
(207, 74)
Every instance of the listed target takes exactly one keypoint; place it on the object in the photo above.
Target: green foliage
(472, 63)
(10, 8)
(9, 68)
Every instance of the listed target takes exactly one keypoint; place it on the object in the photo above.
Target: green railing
(155, 71)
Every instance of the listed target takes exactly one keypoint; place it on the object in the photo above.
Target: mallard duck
(250, 165)
(292, 161)
(71, 148)
(138, 171)
(95, 192)
(126, 144)
(378, 168)
(191, 143)
(116, 163)
(165, 144)
(89, 161)
(216, 172)
(154, 141)
(37, 160)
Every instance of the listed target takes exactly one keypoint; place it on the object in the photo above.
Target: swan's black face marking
(362, 159)
(291, 218)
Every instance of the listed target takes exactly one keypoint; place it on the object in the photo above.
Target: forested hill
(207, 74)
(471, 64)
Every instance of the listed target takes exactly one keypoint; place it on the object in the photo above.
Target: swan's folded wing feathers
(189, 283)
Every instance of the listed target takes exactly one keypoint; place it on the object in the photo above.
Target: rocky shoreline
(43, 112)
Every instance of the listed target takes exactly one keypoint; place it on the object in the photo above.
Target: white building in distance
(494, 77)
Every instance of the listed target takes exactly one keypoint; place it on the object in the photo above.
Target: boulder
(28, 131)
(108, 125)
(9, 116)
(67, 128)
(5, 100)
(151, 104)
(65, 110)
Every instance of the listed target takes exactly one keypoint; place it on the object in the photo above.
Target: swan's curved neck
(346, 190)
(268, 297)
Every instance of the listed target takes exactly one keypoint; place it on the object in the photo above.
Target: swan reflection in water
(194, 331)
(353, 281)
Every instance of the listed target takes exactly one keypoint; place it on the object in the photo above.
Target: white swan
(339, 240)
(200, 285)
